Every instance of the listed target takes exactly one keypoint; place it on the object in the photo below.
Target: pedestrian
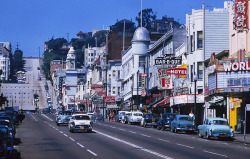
(112, 117)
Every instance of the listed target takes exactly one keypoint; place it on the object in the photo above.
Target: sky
(31, 22)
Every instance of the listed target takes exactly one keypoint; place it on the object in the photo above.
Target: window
(192, 43)
(199, 70)
(113, 73)
(149, 61)
(90, 80)
(118, 74)
(119, 90)
(113, 90)
(199, 39)
(142, 61)
(191, 72)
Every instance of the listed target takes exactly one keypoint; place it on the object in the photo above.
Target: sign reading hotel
(177, 71)
(241, 15)
(168, 60)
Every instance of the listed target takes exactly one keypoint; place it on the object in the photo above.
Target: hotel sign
(241, 15)
(177, 71)
(168, 60)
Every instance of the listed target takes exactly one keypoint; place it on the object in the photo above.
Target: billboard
(181, 86)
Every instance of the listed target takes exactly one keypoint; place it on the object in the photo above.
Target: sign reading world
(168, 60)
(241, 14)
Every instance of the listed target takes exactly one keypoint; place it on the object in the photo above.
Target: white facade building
(5, 51)
(207, 33)
(91, 54)
(133, 64)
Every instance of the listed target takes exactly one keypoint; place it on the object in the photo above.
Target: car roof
(4, 120)
(178, 116)
(4, 126)
(217, 119)
(169, 114)
(80, 115)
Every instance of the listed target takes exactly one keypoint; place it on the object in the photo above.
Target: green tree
(100, 36)
(147, 17)
(56, 44)
(18, 61)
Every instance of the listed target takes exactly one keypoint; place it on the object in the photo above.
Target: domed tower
(71, 59)
(140, 41)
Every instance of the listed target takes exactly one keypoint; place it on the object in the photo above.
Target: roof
(141, 34)
(80, 33)
(182, 116)
(126, 21)
(217, 119)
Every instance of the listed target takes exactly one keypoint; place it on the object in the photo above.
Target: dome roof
(141, 34)
(71, 53)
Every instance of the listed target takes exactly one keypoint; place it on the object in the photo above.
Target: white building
(5, 51)
(133, 64)
(207, 33)
(91, 54)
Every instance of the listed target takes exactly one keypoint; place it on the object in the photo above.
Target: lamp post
(132, 86)
(194, 109)
(103, 106)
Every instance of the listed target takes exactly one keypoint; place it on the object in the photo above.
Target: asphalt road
(41, 138)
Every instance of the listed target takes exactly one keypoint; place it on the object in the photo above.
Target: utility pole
(17, 48)
(39, 51)
(68, 37)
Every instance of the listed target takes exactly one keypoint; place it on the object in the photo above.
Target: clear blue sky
(31, 22)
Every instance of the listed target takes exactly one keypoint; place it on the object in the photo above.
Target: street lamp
(194, 109)
(103, 106)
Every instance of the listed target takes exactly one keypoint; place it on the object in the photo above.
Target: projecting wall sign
(168, 60)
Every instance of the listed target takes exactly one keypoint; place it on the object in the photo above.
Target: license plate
(66, 122)
(81, 127)
(138, 120)
(221, 135)
(186, 126)
(153, 122)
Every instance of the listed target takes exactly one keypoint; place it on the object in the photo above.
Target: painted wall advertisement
(181, 86)
(165, 80)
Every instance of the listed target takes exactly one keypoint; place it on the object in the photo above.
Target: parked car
(8, 139)
(3, 144)
(90, 115)
(80, 122)
(63, 117)
(97, 117)
(134, 117)
(215, 127)
(10, 124)
(124, 119)
(165, 121)
(120, 115)
(39, 78)
(182, 123)
(149, 120)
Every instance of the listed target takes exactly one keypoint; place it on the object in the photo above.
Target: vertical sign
(165, 80)
(60, 87)
(241, 15)
(143, 84)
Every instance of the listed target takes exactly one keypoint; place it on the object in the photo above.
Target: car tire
(175, 130)
(199, 134)
(58, 124)
(144, 125)
(158, 128)
(162, 127)
(207, 137)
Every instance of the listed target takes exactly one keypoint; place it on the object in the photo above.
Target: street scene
(152, 86)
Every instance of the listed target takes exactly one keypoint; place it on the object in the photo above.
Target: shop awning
(158, 100)
(163, 103)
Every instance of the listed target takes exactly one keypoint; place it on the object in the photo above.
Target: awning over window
(150, 105)
(163, 103)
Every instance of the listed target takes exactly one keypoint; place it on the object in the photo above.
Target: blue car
(8, 138)
(165, 121)
(182, 123)
(63, 117)
(215, 127)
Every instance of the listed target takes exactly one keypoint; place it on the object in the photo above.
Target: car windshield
(4, 130)
(148, 115)
(170, 116)
(218, 122)
(137, 114)
(185, 118)
(122, 113)
(81, 117)
(4, 123)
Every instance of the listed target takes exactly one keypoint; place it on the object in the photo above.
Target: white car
(134, 117)
(80, 122)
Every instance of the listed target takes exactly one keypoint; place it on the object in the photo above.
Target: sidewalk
(239, 137)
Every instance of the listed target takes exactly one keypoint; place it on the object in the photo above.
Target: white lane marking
(122, 129)
(56, 128)
(61, 132)
(132, 132)
(92, 152)
(162, 140)
(112, 126)
(71, 139)
(185, 146)
(65, 135)
(145, 135)
(135, 146)
(215, 153)
(80, 145)
(33, 117)
(47, 117)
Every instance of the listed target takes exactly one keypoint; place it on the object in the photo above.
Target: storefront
(230, 79)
